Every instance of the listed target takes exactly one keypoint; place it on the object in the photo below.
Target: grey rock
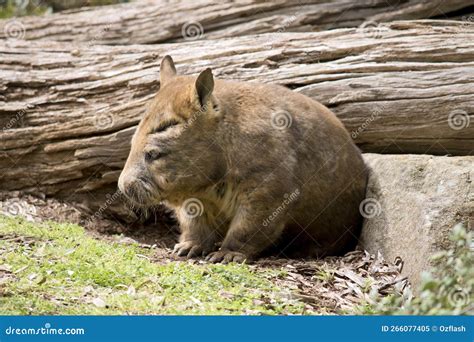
(413, 202)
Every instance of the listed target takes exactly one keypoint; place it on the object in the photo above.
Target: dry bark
(68, 114)
(144, 22)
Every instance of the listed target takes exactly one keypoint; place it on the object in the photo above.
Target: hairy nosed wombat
(248, 168)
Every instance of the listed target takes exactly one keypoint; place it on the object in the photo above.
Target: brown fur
(295, 189)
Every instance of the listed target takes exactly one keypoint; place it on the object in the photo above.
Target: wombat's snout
(137, 188)
(125, 184)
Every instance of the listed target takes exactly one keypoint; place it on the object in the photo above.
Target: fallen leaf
(87, 289)
(99, 302)
(131, 291)
(21, 269)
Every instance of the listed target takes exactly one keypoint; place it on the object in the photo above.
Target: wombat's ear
(167, 69)
(204, 86)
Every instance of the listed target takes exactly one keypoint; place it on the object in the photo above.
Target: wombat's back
(300, 141)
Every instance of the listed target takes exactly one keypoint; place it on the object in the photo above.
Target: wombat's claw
(226, 257)
(190, 249)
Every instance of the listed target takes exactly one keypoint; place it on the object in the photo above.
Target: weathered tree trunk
(144, 22)
(68, 114)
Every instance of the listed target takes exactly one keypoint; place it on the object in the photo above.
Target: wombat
(248, 168)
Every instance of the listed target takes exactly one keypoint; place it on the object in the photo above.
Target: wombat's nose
(125, 184)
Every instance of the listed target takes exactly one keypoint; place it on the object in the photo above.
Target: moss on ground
(51, 268)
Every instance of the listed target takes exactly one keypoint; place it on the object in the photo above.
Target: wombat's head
(173, 150)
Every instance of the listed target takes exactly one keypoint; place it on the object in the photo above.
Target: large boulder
(413, 202)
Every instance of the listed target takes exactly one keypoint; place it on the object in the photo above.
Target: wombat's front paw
(191, 249)
(226, 256)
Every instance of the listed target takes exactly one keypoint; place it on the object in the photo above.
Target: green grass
(10, 8)
(52, 268)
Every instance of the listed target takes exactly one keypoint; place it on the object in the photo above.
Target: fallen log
(68, 114)
(413, 202)
(145, 22)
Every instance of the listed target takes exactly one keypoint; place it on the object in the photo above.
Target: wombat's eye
(151, 156)
(164, 126)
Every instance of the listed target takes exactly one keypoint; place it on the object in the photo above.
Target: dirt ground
(332, 285)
